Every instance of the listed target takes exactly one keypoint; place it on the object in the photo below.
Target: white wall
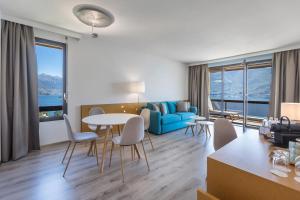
(96, 70)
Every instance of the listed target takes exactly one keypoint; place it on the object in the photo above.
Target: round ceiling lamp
(93, 16)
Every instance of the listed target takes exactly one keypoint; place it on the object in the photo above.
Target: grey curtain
(198, 88)
(19, 129)
(285, 80)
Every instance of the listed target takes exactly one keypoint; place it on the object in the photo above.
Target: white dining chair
(76, 138)
(99, 111)
(95, 111)
(132, 134)
(145, 113)
(224, 133)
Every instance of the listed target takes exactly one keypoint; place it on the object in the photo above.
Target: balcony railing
(256, 110)
(50, 113)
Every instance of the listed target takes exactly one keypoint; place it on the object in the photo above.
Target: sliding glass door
(259, 77)
(241, 92)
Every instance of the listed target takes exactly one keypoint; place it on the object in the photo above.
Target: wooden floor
(178, 167)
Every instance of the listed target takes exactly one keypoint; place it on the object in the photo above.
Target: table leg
(208, 130)
(119, 130)
(187, 128)
(201, 129)
(192, 127)
(104, 150)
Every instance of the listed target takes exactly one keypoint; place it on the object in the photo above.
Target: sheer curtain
(285, 80)
(198, 88)
(19, 126)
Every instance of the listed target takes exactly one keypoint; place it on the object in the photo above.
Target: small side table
(190, 125)
(198, 118)
(205, 126)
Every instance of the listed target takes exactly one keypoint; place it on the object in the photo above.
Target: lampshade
(291, 110)
(92, 15)
(137, 87)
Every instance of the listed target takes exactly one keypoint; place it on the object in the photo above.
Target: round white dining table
(108, 120)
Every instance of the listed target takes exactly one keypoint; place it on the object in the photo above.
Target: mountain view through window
(50, 60)
(229, 89)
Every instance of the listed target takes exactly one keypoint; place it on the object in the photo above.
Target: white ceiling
(183, 30)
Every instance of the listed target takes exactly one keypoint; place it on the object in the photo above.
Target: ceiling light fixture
(93, 16)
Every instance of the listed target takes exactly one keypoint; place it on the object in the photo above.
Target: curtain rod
(258, 53)
(42, 26)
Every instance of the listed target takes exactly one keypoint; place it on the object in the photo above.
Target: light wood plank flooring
(178, 168)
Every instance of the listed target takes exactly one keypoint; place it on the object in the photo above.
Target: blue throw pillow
(172, 107)
(164, 108)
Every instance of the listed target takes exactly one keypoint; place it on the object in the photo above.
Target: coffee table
(190, 125)
(205, 126)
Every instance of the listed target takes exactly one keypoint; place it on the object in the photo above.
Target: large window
(243, 88)
(51, 60)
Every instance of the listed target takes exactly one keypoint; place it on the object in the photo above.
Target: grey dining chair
(99, 111)
(95, 111)
(146, 115)
(76, 138)
(132, 134)
(224, 133)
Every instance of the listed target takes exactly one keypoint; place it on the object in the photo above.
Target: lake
(50, 100)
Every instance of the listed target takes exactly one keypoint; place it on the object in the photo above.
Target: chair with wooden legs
(76, 138)
(132, 134)
(96, 111)
(146, 115)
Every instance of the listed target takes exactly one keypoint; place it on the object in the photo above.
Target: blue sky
(50, 60)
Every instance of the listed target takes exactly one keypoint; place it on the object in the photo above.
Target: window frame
(64, 107)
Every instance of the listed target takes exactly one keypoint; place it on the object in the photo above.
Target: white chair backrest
(133, 131)
(224, 133)
(69, 128)
(146, 115)
(95, 111)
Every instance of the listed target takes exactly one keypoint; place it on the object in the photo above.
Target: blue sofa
(173, 120)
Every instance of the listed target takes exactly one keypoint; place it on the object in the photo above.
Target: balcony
(257, 110)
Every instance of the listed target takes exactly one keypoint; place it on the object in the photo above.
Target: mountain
(50, 85)
(259, 83)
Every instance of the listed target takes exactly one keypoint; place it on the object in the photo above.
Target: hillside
(50, 85)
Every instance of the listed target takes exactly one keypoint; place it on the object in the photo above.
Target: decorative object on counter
(285, 132)
(265, 128)
(267, 122)
(294, 149)
(279, 173)
(280, 161)
(297, 169)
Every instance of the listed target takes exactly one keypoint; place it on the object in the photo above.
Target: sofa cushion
(153, 106)
(171, 107)
(183, 106)
(170, 118)
(156, 107)
(150, 106)
(164, 108)
(185, 115)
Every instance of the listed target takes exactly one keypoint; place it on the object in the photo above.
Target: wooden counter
(240, 170)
